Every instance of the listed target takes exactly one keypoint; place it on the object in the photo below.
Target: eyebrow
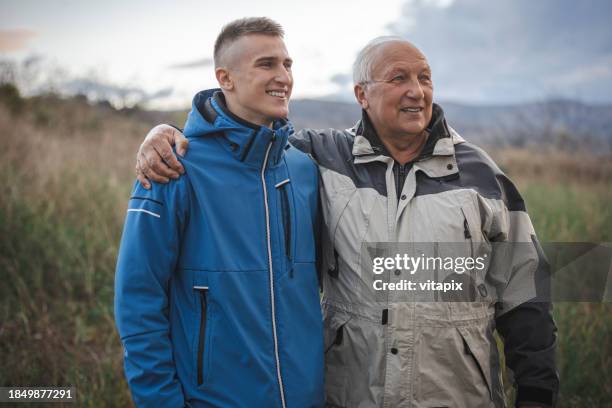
(394, 70)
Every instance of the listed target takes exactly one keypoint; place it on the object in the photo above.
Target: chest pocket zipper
(203, 290)
(286, 210)
(467, 234)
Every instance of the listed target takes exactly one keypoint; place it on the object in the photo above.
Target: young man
(216, 294)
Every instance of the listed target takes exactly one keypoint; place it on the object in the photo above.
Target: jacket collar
(246, 141)
(371, 143)
(437, 158)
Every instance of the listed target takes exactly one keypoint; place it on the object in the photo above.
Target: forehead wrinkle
(406, 67)
(389, 56)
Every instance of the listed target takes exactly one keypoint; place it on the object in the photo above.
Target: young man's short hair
(244, 26)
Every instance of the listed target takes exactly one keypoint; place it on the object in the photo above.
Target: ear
(359, 90)
(224, 79)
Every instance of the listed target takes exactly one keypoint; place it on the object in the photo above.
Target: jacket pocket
(336, 363)
(478, 350)
(203, 295)
(453, 366)
(286, 212)
(339, 337)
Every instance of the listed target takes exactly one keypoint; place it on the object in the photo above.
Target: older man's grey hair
(362, 67)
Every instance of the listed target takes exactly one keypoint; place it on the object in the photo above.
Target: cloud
(342, 80)
(513, 50)
(199, 63)
(15, 40)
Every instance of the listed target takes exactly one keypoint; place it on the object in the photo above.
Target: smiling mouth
(412, 110)
(278, 94)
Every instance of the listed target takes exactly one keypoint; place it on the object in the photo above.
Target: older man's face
(399, 98)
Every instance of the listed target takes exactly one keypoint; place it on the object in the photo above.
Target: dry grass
(67, 171)
(60, 222)
(555, 167)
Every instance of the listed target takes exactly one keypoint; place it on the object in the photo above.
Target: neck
(406, 148)
(246, 114)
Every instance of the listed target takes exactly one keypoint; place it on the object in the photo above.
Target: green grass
(575, 212)
(569, 211)
(57, 292)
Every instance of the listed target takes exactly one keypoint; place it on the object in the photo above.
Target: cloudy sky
(504, 51)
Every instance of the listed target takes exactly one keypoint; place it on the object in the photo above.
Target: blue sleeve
(147, 259)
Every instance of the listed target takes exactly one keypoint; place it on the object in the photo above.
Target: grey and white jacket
(391, 348)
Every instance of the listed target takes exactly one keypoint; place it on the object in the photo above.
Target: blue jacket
(216, 293)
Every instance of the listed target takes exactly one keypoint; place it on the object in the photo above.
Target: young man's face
(259, 69)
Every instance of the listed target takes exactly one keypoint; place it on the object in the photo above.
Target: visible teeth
(411, 109)
(275, 93)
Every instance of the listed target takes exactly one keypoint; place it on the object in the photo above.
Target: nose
(283, 76)
(414, 90)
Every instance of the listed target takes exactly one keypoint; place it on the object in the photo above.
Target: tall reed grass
(67, 169)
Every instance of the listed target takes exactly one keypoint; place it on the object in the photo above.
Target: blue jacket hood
(248, 142)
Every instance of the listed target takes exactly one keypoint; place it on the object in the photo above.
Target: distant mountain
(320, 114)
(565, 123)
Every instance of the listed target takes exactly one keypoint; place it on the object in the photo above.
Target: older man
(402, 175)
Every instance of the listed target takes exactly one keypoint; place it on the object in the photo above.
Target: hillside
(564, 123)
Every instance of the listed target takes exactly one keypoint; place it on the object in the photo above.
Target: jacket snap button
(449, 166)
(393, 350)
(397, 272)
(403, 197)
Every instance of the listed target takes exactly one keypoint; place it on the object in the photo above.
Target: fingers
(139, 173)
(162, 138)
(181, 143)
(142, 179)
(152, 164)
(164, 150)
(155, 159)
(152, 169)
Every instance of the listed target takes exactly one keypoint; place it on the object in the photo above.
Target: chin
(281, 113)
(413, 129)
(417, 125)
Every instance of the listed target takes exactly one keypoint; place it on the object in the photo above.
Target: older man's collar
(374, 145)
(367, 141)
